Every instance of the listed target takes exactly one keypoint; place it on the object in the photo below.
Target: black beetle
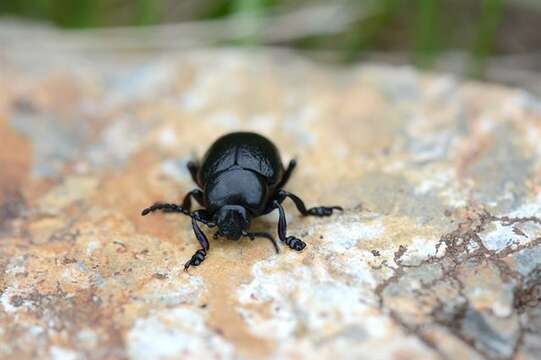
(241, 177)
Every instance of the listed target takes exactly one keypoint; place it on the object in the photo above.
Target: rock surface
(437, 255)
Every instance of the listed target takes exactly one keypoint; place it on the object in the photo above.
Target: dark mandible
(240, 178)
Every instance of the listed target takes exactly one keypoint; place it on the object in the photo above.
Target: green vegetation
(421, 29)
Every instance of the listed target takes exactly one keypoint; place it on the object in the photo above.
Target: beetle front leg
(291, 241)
(166, 208)
(314, 211)
(185, 208)
(199, 256)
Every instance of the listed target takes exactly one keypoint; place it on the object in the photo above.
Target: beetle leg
(266, 235)
(314, 211)
(199, 256)
(185, 208)
(166, 208)
(196, 194)
(290, 167)
(291, 241)
(193, 168)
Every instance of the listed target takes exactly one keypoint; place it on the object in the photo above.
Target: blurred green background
(457, 34)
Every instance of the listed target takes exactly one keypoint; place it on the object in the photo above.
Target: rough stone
(436, 256)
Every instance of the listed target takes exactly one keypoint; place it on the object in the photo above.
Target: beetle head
(231, 221)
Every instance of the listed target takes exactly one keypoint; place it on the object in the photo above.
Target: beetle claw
(196, 259)
(323, 210)
(295, 243)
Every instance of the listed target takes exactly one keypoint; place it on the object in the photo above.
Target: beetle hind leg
(193, 168)
(287, 174)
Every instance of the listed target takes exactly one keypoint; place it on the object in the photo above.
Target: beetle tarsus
(166, 208)
(196, 259)
(295, 243)
(323, 210)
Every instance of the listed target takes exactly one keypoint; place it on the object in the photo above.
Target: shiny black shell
(240, 168)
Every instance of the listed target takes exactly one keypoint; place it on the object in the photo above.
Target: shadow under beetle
(241, 177)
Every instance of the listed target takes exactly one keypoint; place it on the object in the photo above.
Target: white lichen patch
(87, 338)
(76, 276)
(344, 234)
(499, 238)
(353, 343)
(171, 291)
(5, 300)
(433, 147)
(433, 180)
(60, 353)
(176, 333)
(419, 249)
(502, 235)
(16, 265)
(91, 246)
(304, 299)
(356, 265)
(528, 209)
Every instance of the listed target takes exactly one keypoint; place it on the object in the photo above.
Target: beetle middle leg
(291, 241)
(314, 211)
(290, 167)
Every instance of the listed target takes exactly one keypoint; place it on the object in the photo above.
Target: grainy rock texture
(437, 255)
